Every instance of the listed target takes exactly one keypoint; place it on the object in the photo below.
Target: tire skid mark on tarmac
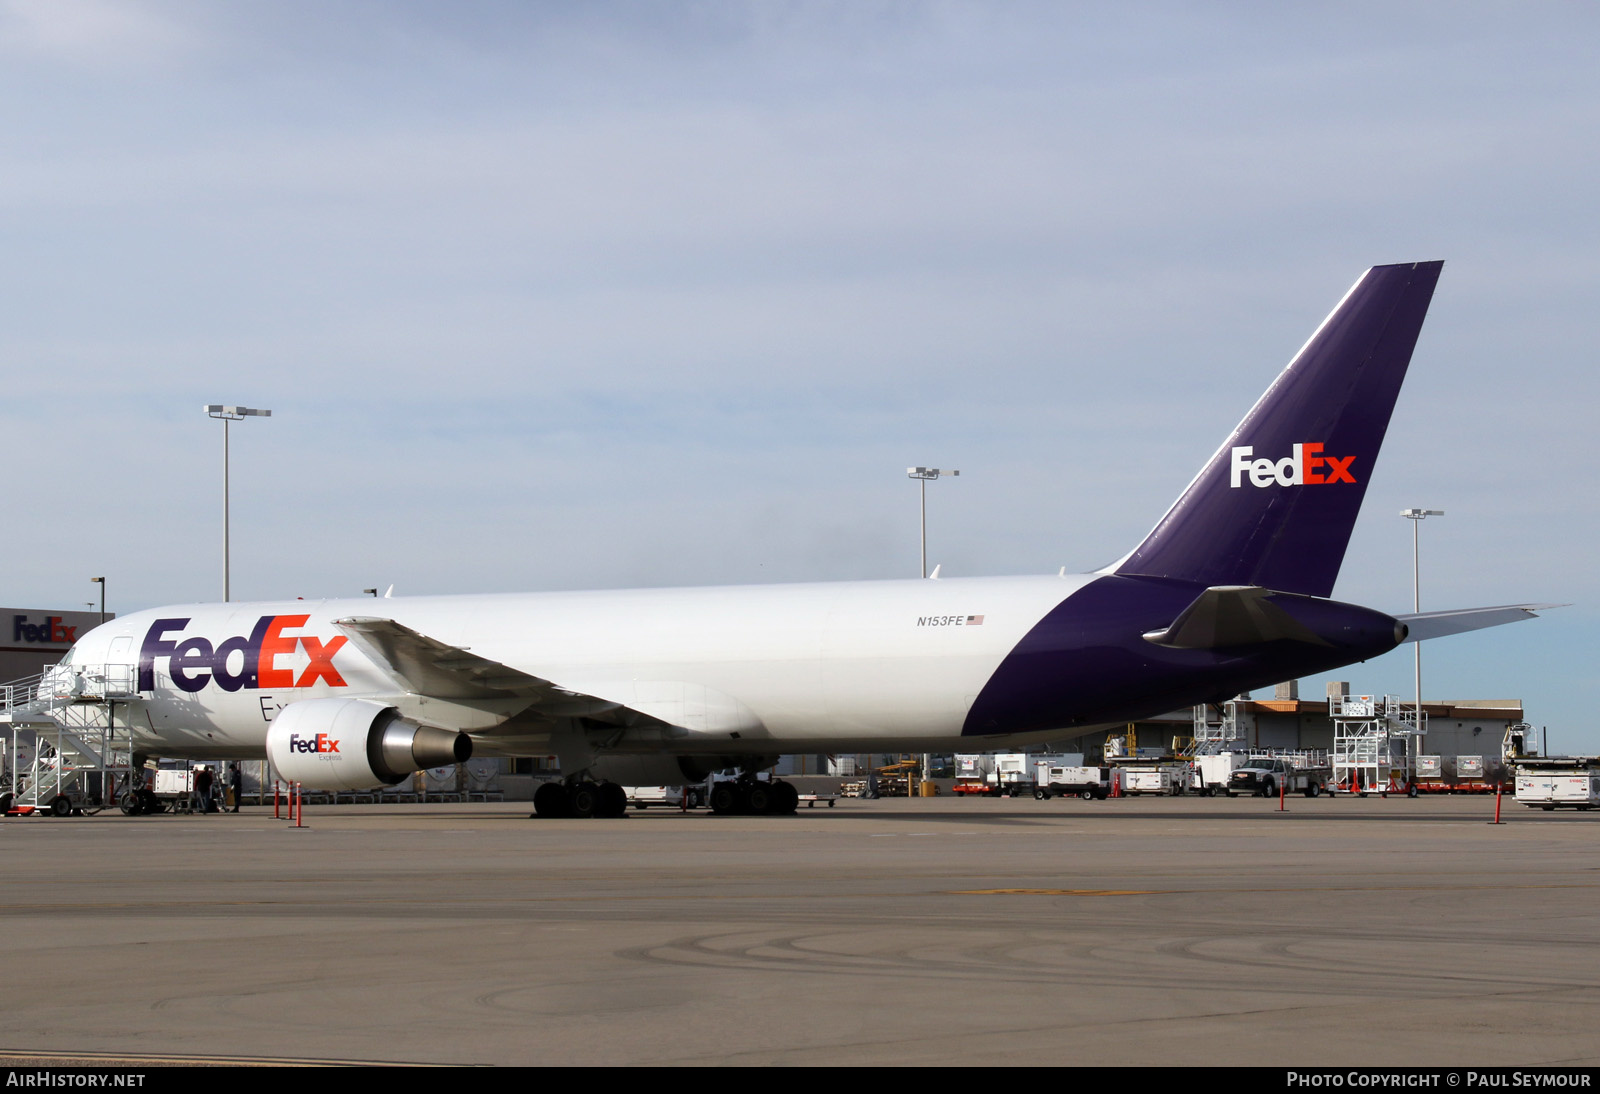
(453, 904)
(1277, 962)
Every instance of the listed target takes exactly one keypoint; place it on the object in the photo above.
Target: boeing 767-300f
(1229, 592)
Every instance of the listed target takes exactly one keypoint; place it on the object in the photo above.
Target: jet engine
(356, 744)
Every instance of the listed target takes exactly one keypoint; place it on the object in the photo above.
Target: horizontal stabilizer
(1233, 615)
(1425, 625)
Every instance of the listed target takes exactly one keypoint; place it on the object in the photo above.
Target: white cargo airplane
(1229, 592)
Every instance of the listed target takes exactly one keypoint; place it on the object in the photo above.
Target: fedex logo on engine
(321, 743)
(1307, 467)
(245, 661)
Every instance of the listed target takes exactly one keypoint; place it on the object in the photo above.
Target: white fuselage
(777, 668)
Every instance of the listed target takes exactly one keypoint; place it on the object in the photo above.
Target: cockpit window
(67, 660)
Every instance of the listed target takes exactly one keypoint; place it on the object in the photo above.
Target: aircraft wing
(1422, 626)
(439, 670)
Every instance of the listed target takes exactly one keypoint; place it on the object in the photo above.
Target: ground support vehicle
(666, 797)
(1164, 777)
(1558, 782)
(1267, 776)
(1470, 777)
(1209, 773)
(972, 769)
(1013, 774)
(995, 774)
(1430, 776)
(1056, 780)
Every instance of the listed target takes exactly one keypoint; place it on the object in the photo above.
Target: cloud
(92, 34)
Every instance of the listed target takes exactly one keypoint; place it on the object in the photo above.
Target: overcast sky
(588, 295)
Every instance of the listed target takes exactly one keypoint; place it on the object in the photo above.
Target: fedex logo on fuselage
(246, 661)
(1307, 467)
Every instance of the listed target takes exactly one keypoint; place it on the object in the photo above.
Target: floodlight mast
(1416, 517)
(923, 475)
(228, 415)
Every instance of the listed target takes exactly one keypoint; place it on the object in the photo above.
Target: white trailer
(1212, 772)
(1169, 779)
(1558, 784)
(1061, 780)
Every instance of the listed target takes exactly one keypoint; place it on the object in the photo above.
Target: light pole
(228, 415)
(1416, 517)
(100, 581)
(923, 475)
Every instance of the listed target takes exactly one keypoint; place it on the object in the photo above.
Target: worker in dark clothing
(202, 790)
(236, 785)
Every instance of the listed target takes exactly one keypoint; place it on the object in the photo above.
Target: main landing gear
(580, 799)
(753, 797)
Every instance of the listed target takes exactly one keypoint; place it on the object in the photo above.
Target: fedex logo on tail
(1307, 467)
(245, 661)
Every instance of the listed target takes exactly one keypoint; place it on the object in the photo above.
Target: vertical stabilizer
(1275, 506)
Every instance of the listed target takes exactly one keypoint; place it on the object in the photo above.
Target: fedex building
(32, 639)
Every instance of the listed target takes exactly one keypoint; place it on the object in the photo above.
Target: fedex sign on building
(33, 638)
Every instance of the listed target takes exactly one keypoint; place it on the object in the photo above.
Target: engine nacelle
(356, 744)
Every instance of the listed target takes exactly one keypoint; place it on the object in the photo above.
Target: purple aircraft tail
(1276, 504)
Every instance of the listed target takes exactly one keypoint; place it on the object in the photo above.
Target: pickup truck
(1265, 776)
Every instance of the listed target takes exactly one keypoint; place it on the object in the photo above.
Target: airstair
(1371, 739)
(1216, 729)
(63, 749)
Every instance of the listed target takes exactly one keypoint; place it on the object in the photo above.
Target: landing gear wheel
(552, 800)
(612, 801)
(61, 806)
(758, 799)
(723, 799)
(785, 799)
(130, 803)
(584, 800)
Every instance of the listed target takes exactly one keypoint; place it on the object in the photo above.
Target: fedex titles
(1307, 467)
(320, 744)
(194, 662)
